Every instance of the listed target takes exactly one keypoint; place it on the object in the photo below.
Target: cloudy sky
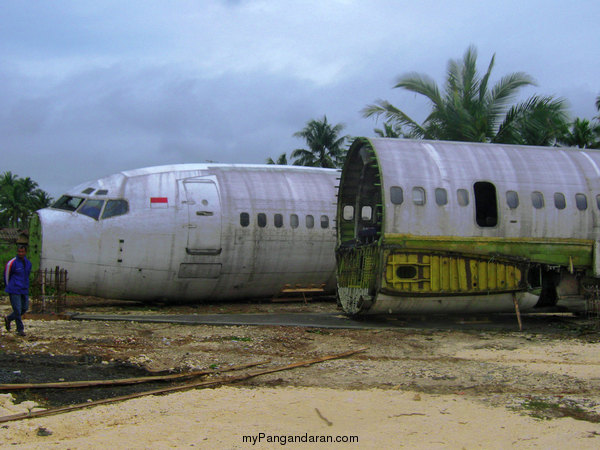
(90, 88)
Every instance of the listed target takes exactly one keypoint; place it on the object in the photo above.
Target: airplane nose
(50, 239)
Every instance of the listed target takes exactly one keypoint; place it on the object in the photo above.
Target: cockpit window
(87, 191)
(91, 208)
(115, 208)
(68, 203)
(101, 192)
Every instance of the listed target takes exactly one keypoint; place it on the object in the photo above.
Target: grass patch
(546, 410)
(237, 338)
(317, 331)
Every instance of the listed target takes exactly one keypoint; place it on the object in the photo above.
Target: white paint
(195, 248)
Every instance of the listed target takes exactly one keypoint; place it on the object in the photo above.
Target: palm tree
(536, 121)
(325, 146)
(19, 198)
(468, 110)
(390, 130)
(282, 160)
(582, 134)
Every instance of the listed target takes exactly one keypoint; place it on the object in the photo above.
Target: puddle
(47, 369)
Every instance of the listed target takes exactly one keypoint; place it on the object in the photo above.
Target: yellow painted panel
(474, 274)
(445, 275)
(454, 274)
(450, 274)
(501, 279)
(510, 276)
(462, 275)
(492, 279)
(482, 271)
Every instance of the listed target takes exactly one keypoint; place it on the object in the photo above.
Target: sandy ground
(412, 387)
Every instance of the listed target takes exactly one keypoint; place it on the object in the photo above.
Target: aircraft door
(204, 217)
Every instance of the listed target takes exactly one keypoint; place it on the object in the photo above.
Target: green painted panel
(552, 251)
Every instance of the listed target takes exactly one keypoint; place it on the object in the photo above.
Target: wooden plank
(201, 384)
(121, 381)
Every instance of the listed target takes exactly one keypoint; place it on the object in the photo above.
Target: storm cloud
(93, 88)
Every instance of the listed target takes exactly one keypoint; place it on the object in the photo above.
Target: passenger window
(294, 222)
(462, 196)
(91, 208)
(310, 221)
(598, 201)
(348, 212)
(396, 195)
(581, 202)
(244, 219)
(115, 208)
(441, 196)
(262, 220)
(512, 199)
(418, 195)
(537, 200)
(486, 206)
(324, 222)
(366, 213)
(68, 203)
(278, 220)
(559, 200)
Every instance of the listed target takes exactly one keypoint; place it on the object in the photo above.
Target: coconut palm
(325, 146)
(390, 130)
(582, 134)
(19, 198)
(282, 160)
(468, 109)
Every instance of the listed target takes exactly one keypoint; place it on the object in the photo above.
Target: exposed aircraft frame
(426, 226)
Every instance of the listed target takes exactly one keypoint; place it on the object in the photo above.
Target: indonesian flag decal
(159, 202)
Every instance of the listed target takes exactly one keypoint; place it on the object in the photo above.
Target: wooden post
(514, 296)
(44, 273)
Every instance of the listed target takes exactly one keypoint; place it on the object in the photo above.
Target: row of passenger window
(262, 222)
(92, 207)
(419, 197)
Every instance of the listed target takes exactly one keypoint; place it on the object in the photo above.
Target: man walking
(16, 278)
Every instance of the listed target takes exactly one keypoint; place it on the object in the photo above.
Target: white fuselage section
(195, 232)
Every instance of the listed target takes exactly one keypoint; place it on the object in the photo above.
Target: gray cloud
(92, 88)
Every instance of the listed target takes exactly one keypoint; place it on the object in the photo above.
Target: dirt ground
(424, 386)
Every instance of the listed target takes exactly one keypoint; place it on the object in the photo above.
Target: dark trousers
(20, 305)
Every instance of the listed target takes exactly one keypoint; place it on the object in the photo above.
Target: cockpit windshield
(115, 208)
(91, 208)
(67, 203)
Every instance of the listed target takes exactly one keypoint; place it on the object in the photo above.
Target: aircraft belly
(388, 304)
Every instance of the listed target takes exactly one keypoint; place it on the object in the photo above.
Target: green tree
(282, 160)
(325, 146)
(19, 199)
(582, 134)
(390, 130)
(467, 109)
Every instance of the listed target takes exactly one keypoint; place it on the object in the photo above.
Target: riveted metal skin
(458, 227)
(194, 232)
